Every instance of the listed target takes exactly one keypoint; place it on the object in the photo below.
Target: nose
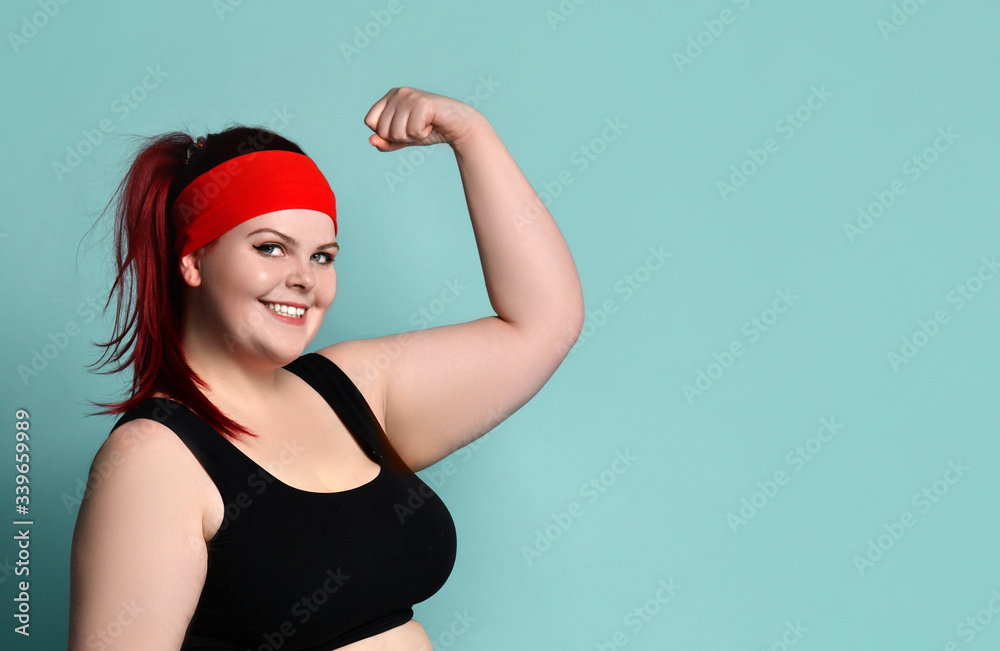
(302, 275)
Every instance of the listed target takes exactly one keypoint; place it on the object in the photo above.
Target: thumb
(382, 144)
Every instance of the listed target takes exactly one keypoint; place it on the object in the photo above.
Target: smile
(286, 310)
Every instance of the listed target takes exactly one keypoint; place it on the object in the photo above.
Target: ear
(190, 269)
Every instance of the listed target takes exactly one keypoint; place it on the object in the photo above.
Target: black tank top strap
(228, 471)
(346, 400)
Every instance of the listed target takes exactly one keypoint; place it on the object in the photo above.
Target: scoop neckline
(380, 460)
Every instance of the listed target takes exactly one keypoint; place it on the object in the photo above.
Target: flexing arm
(139, 557)
(445, 386)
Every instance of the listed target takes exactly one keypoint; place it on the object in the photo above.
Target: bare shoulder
(139, 539)
(142, 435)
(146, 460)
(143, 450)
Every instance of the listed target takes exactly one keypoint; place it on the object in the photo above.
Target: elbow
(556, 321)
(576, 317)
(569, 324)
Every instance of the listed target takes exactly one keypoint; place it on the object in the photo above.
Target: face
(261, 290)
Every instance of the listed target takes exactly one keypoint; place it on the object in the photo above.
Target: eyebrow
(292, 240)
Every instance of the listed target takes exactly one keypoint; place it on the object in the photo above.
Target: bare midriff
(406, 637)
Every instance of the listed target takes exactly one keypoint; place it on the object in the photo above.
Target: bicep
(138, 561)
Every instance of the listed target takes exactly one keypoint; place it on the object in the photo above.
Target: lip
(287, 319)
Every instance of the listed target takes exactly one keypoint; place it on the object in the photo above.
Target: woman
(261, 498)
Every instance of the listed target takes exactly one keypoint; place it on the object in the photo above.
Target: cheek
(233, 288)
(330, 289)
(253, 282)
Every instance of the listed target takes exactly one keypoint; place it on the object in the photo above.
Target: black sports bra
(305, 571)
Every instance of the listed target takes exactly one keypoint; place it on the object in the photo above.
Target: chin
(276, 349)
(290, 355)
(275, 357)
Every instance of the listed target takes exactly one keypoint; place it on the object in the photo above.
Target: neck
(240, 381)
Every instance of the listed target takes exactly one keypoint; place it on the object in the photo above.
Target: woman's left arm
(445, 386)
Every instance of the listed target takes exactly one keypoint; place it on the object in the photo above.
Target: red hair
(146, 335)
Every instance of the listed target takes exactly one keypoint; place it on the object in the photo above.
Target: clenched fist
(407, 116)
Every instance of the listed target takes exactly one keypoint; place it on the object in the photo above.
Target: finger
(421, 121)
(372, 117)
(386, 118)
(400, 125)
(382, 144)
(378, 111)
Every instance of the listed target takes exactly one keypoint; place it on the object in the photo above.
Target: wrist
(474, 128)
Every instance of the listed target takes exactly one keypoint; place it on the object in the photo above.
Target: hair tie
(198, 144)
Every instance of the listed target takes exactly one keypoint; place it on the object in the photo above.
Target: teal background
(668, 515)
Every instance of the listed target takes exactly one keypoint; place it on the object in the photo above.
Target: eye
(265, 249)
(329, 259)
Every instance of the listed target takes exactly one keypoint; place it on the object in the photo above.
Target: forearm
(530, 275)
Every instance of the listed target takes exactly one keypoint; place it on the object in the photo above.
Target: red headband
(243, 188)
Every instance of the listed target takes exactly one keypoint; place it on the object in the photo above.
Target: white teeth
(285, 310)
